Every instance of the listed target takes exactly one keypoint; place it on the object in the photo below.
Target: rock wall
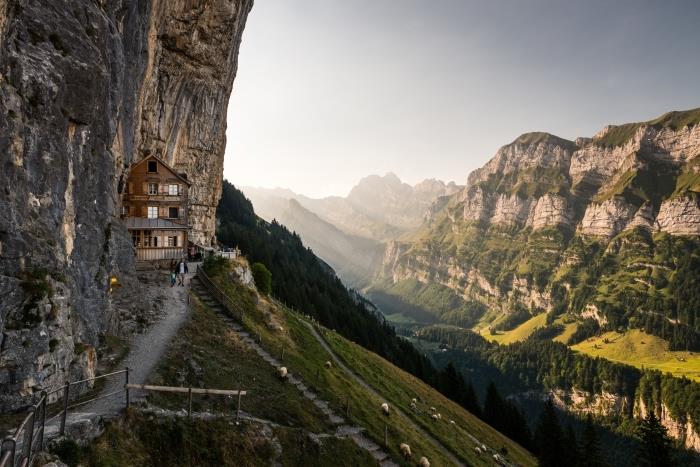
(86, 89)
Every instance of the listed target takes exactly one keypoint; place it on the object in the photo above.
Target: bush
(262, 277)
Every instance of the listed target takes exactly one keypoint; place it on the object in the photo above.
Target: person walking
(182, 270)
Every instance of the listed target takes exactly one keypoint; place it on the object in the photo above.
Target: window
(173, 190)
(147, 238)
(125, 210)
(135, 238)
(152, 188)
(153, 212)
(173, 213)
(152, 166)
(172, 241)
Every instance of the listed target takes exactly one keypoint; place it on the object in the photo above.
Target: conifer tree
(549, 439)
(590, 447)
(655, 447)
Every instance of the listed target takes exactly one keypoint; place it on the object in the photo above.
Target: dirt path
(146, 350)
(372, 391)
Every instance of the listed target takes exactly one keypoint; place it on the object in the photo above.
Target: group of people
(177, 272)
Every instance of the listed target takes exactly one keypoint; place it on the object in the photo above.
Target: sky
(329, 91)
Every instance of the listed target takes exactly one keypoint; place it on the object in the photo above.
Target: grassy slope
(633, 347)
(639, 349)
(304, 356)
(518, 334)
(138, 440)
(400, 387)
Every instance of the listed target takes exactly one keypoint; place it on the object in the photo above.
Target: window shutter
(144, 211)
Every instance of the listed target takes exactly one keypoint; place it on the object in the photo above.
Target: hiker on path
(182, 270)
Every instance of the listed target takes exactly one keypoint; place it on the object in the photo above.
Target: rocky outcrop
(683, 430)
(87, 89)
(680, 216)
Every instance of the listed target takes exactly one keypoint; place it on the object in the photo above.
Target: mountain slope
(349, 232)
(603, 228)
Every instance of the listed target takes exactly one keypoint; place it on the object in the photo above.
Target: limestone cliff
(86, 89)
(597, 224)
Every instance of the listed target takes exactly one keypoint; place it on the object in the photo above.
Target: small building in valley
(154, 207)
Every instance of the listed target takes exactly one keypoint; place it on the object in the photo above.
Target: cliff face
(547, 222)
(86, 89)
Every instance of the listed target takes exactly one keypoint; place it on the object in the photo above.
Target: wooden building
(154, 206)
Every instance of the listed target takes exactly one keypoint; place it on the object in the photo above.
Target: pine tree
(655, 447)
(570, 447)
(470, 401)
(549, 439)
(590, 447)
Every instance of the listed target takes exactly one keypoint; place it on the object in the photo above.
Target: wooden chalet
(154, 207)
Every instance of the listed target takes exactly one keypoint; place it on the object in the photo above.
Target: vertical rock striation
(86, 89)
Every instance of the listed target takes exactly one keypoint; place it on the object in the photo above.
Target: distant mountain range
(350, 232)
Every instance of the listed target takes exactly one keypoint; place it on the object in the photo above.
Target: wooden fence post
(126, 387)
(238, 410)
(66, 390)
(189, 403)
(386, 435)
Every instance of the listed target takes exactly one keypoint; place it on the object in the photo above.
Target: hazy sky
(329, 91)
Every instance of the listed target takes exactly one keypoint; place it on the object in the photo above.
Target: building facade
(154, 206)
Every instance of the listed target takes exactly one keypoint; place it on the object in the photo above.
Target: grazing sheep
(423, 462)
(484, 448)
(405, 451)
(452, 422)
(439, 416)
(434, 416)
(282, 372)
(385, 408)
(478, 450)
(413, 405)
(328, 364)
(432, 409)
(414, 400)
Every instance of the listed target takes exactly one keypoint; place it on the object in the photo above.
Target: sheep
(328, 364)
(413, 405)
(414, 401)
(282, 372)
(484, 448)
(405, 451)
(434, 416)
(439, 416)
(423, 462)
(385, 408)
(478, 450)
(432, 409)
(452, 422)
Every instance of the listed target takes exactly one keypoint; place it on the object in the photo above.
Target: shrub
(262, 277)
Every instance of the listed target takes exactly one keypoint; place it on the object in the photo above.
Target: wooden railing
(190, 391)
(219, 295)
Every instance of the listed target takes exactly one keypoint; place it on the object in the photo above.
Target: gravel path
(146, 350)
(371, 390)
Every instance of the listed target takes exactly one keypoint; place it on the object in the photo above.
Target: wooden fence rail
(189, 391)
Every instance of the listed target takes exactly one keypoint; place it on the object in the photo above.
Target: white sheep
(413, 405)
(434, 416)
(385, 408)
(282, 372)
(484, 448)
(405, 451)
(452, 422)
(478, 450)
(414, 400)
(328, 364)
(432, 409)
(423, 462)
(439, 416)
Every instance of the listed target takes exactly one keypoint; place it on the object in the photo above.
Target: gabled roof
(165, 164)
